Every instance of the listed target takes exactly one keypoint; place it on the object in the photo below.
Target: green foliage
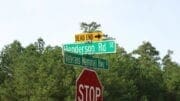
(149, 74)
(91, 27)
(171, 77)
(37, 73)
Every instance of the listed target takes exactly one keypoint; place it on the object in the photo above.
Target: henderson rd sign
(88, 86)
(100, 47)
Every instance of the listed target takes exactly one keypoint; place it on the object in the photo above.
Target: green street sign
(100, 47)
(84, 60)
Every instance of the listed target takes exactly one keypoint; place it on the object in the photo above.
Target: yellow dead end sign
(95, 36)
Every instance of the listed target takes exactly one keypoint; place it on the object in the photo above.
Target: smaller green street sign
(100, 47)
(85, 60)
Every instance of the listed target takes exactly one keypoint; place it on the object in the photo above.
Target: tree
(91, 27)
(40, 45)
(150, 74)
(147, 52)
(9, 56)
(171, 78)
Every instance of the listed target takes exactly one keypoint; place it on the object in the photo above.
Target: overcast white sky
(57, 21)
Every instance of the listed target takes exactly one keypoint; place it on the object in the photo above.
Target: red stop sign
(88, 86)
